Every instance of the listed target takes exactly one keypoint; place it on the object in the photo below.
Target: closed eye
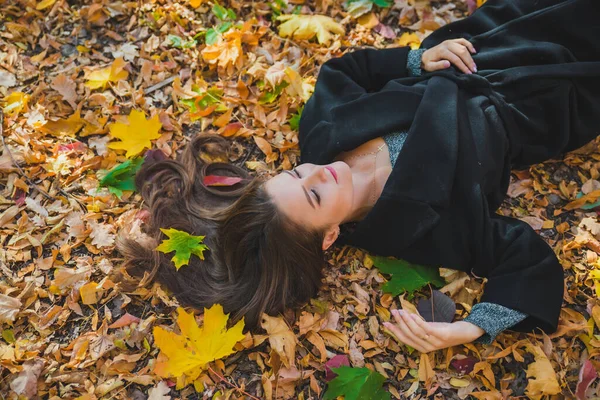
(312, 190)
(317, 196)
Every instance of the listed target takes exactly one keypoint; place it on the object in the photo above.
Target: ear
(331, 236)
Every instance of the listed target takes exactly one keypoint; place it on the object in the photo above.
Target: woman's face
(315, 196)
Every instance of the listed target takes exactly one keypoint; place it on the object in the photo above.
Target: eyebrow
(303, 188)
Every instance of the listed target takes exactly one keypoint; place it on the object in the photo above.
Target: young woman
(411, 163)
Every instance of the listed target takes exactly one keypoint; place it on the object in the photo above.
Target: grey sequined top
(492, 318)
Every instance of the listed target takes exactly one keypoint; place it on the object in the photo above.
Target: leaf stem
(233, 385)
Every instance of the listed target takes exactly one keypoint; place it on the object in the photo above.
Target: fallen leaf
(111, 74)
(309, 26)
(281, 338)
(543, 382)
(159, 392)
(335, 362)
(189, 353)
(136, 135)
(406, 277)
(183, 244)
(65, 86)
(437, 308)
(587, 375)
(9, 308)
(215, 180)
(356, 384)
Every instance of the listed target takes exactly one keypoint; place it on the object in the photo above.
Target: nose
(319, 173)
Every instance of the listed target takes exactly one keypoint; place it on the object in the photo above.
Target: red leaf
(464, 365)
(125, 320)
(335, 362)
(587, 374)
(215, 180)
(385, 31)
(19, 197)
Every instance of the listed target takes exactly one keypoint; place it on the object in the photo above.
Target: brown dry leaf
(9, 308)
(281, 338)
(544, 380)
(25, 384)
(66, 87)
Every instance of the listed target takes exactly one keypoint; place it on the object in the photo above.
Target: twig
(159, 85)
(231, 384)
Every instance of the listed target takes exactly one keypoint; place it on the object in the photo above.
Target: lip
(330, 169)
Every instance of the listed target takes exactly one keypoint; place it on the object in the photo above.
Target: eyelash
(312, 190)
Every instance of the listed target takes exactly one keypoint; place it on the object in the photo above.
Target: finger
(432, 335)
(416, 330)
(465, 56)
(467, 44)
(457, 61)
(437, 65)
(402, 337)
(407, 325)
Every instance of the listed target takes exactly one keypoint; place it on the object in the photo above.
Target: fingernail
(474, 68)
(446, 64)
(469, 73)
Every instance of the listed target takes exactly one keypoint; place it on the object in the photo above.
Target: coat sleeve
(523, 272)
(348, 88)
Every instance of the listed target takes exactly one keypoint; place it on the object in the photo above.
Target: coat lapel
(422, 178)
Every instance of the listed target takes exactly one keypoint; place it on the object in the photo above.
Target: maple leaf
(137, 135)
(356, 384)
(66, 87)
(409, 39)
(113, 73)
(183, 244)
(406, 277)
(226, 52)
(309, 26)
(196, 3)
(15, 103)
(543, 380)
(122, 176)
(189, 353)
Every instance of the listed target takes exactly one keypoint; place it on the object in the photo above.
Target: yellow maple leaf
(298, 87)
(226, 51)
(65, 127)
(409, 39)
(113, 73)
(189, 353)
(195, 3)
(309, 26)
(542, 380)
(15, 102)
(137, 135)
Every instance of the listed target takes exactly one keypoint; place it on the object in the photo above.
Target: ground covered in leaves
(87, 89)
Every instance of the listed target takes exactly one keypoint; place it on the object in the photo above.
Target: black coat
(536, 95)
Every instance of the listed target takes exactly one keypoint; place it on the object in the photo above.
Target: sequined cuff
(493, 319)
(413, 64)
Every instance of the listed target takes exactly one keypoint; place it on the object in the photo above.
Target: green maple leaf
(406, 277)
(183, 244)
(122, 177)
(356, 384)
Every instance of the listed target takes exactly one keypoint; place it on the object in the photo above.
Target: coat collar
(422, 178)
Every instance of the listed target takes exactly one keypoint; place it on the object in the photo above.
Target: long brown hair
(259, 261)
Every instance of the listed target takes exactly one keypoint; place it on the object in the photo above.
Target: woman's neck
(370, 166)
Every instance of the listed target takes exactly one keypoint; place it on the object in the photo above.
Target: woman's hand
(455, 51)
(424, 336)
